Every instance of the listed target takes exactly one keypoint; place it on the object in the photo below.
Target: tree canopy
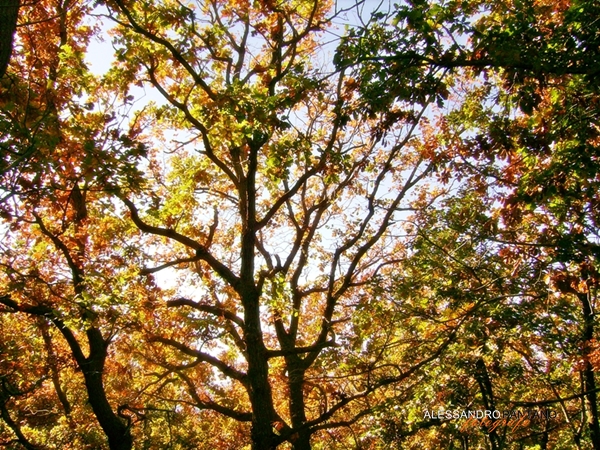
(300, 225)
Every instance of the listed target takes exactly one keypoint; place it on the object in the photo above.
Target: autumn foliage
(299, 225)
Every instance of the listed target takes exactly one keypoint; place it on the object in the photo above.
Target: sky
(100, 58)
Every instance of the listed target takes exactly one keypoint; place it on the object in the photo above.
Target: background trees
(283, 251)
(524, 138)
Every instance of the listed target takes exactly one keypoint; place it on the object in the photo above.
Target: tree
(282, 252)
(272, 140)
(50, 175)
(270, 147)
(526, 137)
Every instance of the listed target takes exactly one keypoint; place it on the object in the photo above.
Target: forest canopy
(299, 224)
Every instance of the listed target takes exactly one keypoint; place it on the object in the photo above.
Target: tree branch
(204, 357)
(201, 252)
(214, 310)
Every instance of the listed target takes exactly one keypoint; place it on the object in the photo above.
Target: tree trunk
(485, 385)
(591, 398)
(261, 398)
(117, 432)
(302, 442)
(9, 12)
(297, 413)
